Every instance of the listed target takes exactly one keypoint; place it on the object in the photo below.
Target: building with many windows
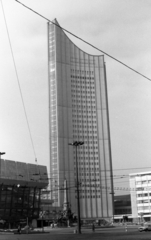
(140, 189)
(78, 111)
(20, 192)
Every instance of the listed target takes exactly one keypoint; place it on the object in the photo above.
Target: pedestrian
(93, 227)
(19, 229)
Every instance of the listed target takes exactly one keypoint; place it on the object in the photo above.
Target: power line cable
(115, 177)
(74, 36)
(83, 40)
(116, 169)
(123, 169)
(22, 99)
(102, 187)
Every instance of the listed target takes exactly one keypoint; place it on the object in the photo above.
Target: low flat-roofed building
(140, 189)
(122, 205)
(20, 191)
(122, 208)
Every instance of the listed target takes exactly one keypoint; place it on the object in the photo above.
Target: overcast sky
(122, 28)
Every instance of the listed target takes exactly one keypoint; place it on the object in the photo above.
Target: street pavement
(116, 233)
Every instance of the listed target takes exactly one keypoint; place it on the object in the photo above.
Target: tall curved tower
(78, 111)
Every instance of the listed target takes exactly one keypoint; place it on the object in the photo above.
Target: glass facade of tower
(78, 111)
(19, 202)
(20, 191)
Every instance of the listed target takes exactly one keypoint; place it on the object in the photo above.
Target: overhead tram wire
(114, 170)
(18, 82)
(83, 40)
(93, 185)
(126, 169)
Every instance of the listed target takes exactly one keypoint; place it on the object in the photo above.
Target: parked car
(145, 227)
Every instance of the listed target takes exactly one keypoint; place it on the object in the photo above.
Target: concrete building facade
(78, 111)
(140, 189)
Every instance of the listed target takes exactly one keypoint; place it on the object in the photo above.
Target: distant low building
(20, 192)
(140, 189)
(122, 205)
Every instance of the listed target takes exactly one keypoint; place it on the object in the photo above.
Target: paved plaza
(68, 234)
(93, 236)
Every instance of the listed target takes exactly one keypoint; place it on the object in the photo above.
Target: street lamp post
(76, 144)
(112, 193)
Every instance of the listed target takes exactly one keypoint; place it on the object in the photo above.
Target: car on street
(145, 227)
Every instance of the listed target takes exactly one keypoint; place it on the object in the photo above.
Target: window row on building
(143, 188)
(88, 169)
(87, 103)
(86, 85)
(143, 194)
(91, 180)
(83, 92)
(80, 77)
(143, 182)
(83, 136)
(144, 201)
(90, 191)
(81, 72)
(88, 163)
(88, 174)
(144, 208)
(86, 156)
(88, 146)
(84, 126)
(84, 106)
(83, 86)
(84, 95)
(89, 196)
